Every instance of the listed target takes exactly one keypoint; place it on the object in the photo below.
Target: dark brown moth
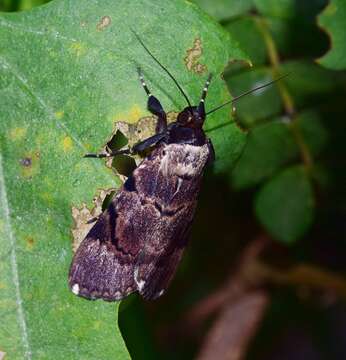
(137, 242)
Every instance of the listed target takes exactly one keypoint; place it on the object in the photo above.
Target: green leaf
(285, 204)
(224, 9)
(67, 73)
(272, 145)
(269, 146)
(333, 21)
(289, 9)
(313, 131)
(293, 26)
(308, 82)
(245, 30)
(259, 105)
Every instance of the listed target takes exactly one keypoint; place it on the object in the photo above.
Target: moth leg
(109, 154)
(147, 143)
(154, 106)
(137, 148)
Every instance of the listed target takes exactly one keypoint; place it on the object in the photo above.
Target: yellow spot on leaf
(67, 143)
(59, 114)
(97, 324)
(29, 243)
(17, 133)
(47, 197)
(131, 116)
(78, 49)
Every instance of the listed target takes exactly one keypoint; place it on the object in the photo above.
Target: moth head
(192, 117)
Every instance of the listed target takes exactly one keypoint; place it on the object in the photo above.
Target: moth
(137, 242)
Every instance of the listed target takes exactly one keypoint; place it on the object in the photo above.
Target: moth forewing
(137, 242)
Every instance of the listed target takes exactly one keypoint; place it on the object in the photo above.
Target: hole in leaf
(124, 164)
(107, 200)
(118, 141)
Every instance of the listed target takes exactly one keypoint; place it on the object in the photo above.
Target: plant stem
(284, 93)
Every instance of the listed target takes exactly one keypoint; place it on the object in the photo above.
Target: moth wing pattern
(103, 264)
(155, 269)
(137, 243)
(179, 169)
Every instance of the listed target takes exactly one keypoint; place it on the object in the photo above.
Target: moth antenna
(201, 107)
(247, 93)
(205, 89)
(162, 67)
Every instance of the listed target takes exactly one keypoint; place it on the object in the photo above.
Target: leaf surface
(67, 73)
(285, 204)
(333, 20)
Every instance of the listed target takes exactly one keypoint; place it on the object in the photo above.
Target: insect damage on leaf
(30, 164)
(17, 134)
(26, 161)
(84, 218)
(133, 133)
(103, 23)
(192, 57)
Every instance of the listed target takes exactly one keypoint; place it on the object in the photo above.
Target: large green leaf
(333, 20)
(246, 31)
(260, 105)
(67, 73)
(285, 204)
(273, 144)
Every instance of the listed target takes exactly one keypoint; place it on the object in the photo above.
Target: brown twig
(234, 327)
(284, 93)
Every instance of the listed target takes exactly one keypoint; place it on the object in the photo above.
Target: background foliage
(284, 197)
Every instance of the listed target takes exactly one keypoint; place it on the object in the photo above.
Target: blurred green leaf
(333, 20)
(245, 31)
(308, 83)
(20, 5)
(288, 9)
(228, 142)
(313, 131)
(272, 145)
(259, 105)
(287, 35)
(224, 9)
(67, 73)
(269, 146)
(285, 204)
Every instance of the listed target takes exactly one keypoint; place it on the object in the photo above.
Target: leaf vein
(14, 267)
